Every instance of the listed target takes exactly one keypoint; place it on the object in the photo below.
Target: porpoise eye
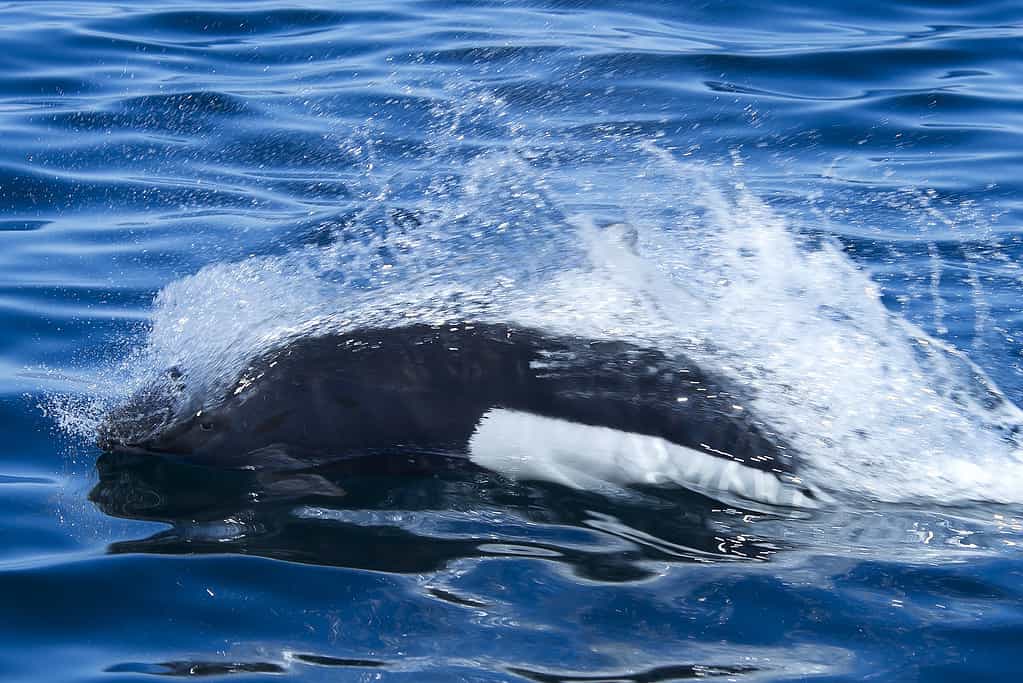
(206, 426)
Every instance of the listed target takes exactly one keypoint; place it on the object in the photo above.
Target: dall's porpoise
(516, 400)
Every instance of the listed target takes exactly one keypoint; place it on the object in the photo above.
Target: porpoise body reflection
(524, 403)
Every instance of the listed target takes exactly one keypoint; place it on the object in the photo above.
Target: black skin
(426, 388)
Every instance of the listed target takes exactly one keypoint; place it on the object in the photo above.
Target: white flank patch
(526, 446)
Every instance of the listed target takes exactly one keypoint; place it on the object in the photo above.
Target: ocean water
(824, 203)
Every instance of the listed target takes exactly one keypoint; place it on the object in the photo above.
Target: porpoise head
(160, 418)
(230, 428)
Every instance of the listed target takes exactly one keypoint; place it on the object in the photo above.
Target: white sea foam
(876, 408)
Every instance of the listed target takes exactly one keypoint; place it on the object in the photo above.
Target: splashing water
(647, 249)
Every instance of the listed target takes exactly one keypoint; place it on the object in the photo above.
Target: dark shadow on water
(413, 514)
(654, 675)
(189, 669)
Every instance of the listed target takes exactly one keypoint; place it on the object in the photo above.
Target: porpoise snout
(135, 424)
(105, 441)
(120, 435)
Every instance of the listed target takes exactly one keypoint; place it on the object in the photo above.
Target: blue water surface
(265, 164)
